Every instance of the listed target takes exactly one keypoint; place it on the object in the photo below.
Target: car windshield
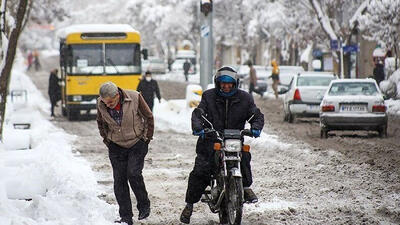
(353, 88)
(314, 81)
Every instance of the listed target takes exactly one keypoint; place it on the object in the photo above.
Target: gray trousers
(127, 165)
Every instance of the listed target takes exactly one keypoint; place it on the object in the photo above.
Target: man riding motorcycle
(226, 107)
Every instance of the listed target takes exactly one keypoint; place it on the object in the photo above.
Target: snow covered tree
(10, 30)
(382, 23)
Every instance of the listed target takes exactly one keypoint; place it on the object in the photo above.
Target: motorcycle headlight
(232, 145)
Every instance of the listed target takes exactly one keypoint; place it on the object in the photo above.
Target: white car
(305, 94)
(154, 65)
(353, 104)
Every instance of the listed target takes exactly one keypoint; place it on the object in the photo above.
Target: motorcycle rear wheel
(234, 201)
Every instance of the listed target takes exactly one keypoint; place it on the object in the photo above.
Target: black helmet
(228, 75)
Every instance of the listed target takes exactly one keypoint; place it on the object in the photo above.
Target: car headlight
(77, 98)
(232, 145)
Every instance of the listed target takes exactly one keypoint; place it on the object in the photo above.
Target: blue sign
(350, 48)
(334, 45)
(316, 53)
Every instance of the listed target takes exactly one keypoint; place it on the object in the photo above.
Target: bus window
(122, 58)
(86, 59)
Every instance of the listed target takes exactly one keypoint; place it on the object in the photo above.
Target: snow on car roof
(316, 73)
(94, 28)
(353, 80)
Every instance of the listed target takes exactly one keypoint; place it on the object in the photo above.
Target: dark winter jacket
(228, 113)
(54, 88)
(379, 73)
(186, 67)
(148, 89)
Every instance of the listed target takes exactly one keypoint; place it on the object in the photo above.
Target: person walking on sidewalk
(253, 79)
(186, 68)
(148, 87)
(126, 125)
(275, 77)
(54, 90)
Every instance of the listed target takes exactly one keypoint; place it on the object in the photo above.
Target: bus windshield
(92, 59)
(122, 58)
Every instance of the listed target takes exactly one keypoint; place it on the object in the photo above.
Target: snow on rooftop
(94, 28)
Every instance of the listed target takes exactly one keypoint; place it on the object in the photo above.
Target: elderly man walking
(126, 124)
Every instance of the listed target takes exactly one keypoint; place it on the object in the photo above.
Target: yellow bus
(91, 54)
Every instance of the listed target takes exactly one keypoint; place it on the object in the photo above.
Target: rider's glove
(199, 133)
(256, 133)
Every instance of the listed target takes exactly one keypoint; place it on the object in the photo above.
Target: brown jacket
(137, 121)
(253, 76)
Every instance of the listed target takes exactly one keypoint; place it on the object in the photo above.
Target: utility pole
(206, 43)
(341, 59)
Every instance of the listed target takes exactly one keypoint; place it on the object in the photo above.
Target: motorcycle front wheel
(234, 203)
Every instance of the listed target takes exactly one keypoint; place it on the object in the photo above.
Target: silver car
(305, 94)
(353, 104)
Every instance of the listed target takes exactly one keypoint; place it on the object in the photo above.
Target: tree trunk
(8, 56)
(395, 57)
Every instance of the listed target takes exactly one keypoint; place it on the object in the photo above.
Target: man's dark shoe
(127, 221)
(144, 214)
(186, 213)
(249, 196)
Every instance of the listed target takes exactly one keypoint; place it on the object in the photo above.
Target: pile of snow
(46, 184)
(391, 86)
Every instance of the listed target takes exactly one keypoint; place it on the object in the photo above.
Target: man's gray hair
(108, 89)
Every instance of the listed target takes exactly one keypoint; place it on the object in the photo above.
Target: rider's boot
(249, 195)
(186, 213)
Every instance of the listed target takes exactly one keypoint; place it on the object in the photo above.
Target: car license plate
(313, 107)
(353, 108)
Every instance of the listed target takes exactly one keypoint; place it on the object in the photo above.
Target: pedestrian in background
(54, 90)
(148, 87)
(126, 125)
(275, 77)
(36, 61)
(30, 60)
(253, 79)
(186, 68)
(379, 72)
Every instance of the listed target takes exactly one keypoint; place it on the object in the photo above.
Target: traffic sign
(334, 45)
(350, 48)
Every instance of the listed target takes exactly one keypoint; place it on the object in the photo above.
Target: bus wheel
(73, 114)
(64, 111)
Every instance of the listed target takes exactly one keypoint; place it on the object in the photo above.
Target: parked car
(154, 65)
(262, 76)
(286, 74)
(305, 94)
(353, 104)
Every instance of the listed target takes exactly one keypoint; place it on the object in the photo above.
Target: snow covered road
(297, 182)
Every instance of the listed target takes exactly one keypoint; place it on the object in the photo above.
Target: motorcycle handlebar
(246, 132)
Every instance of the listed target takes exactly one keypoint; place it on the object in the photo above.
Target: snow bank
(46, 184)
(391, 86)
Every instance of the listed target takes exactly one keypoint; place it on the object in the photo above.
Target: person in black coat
(186, 68)
(54, 90)
(149, 87)
(226, 107)
(379, 72)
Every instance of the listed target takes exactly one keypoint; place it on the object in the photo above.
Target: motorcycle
(225, 193)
